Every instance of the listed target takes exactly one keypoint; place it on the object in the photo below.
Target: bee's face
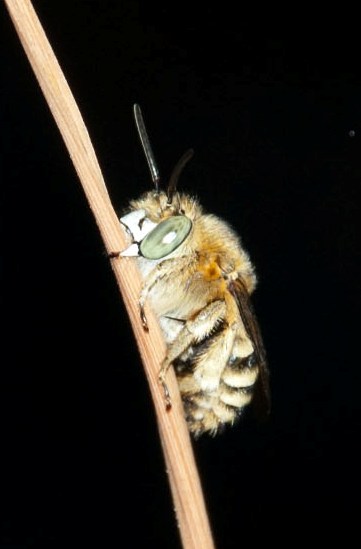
(159, 229)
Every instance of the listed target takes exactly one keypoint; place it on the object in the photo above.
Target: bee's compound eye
(166, 237)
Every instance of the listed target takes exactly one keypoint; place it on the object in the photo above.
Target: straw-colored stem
(184, 480)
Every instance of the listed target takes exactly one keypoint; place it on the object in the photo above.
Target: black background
(271, 104)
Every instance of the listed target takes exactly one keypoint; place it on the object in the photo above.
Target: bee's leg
(193, 331)
(168, 400)
(143, 316)
(160, 272)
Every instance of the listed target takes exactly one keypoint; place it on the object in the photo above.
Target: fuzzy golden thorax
(217, 246)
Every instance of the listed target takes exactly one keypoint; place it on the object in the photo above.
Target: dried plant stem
(185, 484)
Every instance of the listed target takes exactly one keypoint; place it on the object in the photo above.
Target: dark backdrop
(271, 105)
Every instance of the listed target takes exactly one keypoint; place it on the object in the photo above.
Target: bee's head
(159, 221)
(156, 227)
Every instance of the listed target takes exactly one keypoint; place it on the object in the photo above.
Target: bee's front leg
(160, 272)
(113, 255)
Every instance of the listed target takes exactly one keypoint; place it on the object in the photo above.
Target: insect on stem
(198, 279)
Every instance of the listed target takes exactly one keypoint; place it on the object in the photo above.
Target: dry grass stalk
(184, 480)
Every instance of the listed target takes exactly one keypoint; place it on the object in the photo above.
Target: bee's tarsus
(113, 255)
(167, 398)
(143, 318)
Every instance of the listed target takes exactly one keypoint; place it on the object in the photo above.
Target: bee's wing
(262, 396)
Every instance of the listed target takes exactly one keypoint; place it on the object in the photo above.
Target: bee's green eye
(165, 237)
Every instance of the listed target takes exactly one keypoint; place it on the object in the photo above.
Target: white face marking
(131, 251)
(169, 237)
(138, 225)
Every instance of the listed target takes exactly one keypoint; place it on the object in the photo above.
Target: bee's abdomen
(209, 410)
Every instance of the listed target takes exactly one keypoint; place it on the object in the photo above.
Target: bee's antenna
(146, 146)
(172, 186)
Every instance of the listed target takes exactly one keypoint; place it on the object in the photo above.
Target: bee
(198, 280)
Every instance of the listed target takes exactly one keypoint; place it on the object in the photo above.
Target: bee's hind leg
(193, 330)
